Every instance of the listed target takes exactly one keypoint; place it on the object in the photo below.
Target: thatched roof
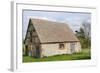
(49, 31)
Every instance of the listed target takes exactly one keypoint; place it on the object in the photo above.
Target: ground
(85, 54)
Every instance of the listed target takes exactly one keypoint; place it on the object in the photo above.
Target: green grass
(85, 54)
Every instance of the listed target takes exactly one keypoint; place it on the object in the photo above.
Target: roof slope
(49, 31)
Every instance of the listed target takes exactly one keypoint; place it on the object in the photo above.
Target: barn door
(26, 50)
(72, 47)
(37, 51)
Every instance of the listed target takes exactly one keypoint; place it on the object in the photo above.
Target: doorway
(72, 47)
(26, 50)
(37, 52)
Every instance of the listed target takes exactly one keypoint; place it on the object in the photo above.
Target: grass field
(85, 54)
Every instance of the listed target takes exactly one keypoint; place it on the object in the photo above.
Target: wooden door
(37, 51)
(72, 47)
(26, 50)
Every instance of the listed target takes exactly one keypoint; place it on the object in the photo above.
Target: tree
(86, 25)
(84, 39)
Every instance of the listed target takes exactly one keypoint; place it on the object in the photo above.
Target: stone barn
(48, 38)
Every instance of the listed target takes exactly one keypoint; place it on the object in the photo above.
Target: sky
(73, 19)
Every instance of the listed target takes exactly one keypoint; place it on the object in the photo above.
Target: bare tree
(87, 29)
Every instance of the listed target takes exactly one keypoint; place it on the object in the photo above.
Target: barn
(48, 38)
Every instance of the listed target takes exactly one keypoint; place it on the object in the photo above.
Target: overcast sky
(73, 19)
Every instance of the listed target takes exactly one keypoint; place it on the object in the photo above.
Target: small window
(61, 46)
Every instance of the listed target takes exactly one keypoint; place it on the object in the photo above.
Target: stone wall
(53, 49)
